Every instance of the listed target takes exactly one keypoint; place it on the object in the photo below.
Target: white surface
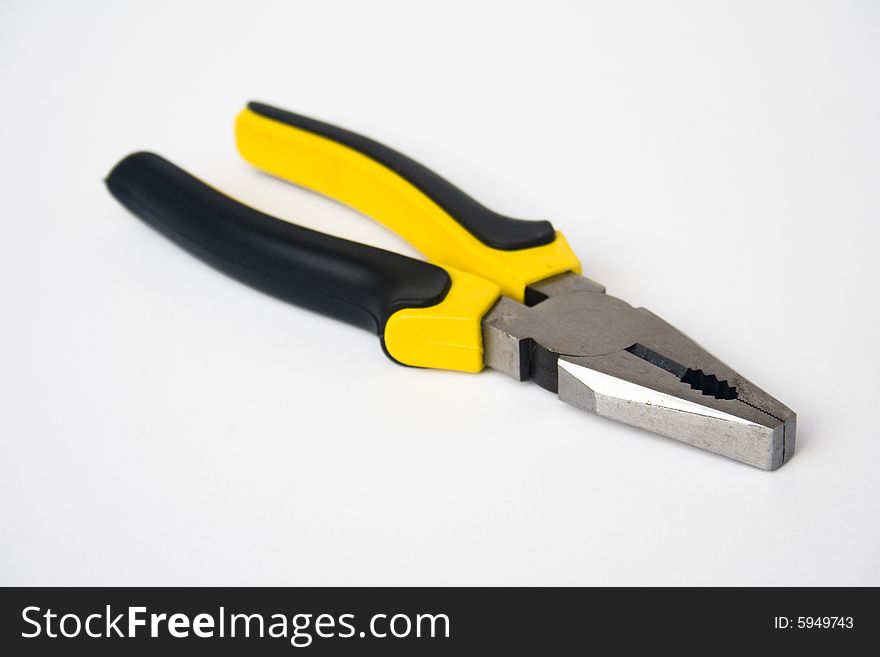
(162, 424)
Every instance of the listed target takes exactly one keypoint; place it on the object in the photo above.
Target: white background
(718, 163)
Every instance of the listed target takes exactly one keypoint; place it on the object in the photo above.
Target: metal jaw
(602, 355)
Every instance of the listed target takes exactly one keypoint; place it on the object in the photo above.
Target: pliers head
(602, 355)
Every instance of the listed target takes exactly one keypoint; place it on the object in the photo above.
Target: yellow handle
(347, 175)
(448, 335)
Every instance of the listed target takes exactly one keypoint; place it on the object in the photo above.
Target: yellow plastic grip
(447, 335)
(345, 174)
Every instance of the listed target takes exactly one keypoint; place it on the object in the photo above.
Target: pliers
(499, 292)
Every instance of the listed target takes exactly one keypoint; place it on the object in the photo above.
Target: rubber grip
(393, 190)
(353, 282)
(489, 227)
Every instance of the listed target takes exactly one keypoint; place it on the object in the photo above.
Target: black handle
(353, 282)
(491, 228)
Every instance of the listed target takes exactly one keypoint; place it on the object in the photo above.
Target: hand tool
(502, 292)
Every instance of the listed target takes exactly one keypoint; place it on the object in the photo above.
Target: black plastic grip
(353, 282)
(491, 228)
